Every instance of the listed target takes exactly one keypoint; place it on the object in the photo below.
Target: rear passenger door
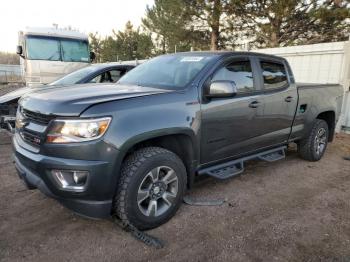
(280, 100)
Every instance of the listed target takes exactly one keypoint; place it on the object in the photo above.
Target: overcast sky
(86, 15)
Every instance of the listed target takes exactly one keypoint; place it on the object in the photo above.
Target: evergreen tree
(95, 46)
(129, 44)
(200, 24)
(132, 44)
(171, 26)
(216, 17)
(272, 23)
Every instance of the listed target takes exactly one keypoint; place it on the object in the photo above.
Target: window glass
(75, 51)
(116, 75)
(74, 77)
(53, 49)
(239, 72)
(43, 49)
(111, 76)
(96, 79)
(274, 75)
(106, 77)
(172, 72)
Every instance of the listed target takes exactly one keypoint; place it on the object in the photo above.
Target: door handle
(254, 104)
(288, 99)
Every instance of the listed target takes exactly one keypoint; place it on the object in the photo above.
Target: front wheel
(151, 188)
(312, 148)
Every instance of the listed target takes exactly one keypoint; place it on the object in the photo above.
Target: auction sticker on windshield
(192, 59)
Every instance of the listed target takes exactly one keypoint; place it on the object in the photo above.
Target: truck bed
(312, 99)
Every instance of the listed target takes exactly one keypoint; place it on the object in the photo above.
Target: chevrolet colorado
(131, 149)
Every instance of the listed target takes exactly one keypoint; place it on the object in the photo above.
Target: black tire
(135, 170)
(308, 148)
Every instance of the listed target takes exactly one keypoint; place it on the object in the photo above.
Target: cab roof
(56, 32)
(224, 53)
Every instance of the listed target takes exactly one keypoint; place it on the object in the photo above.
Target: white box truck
(49, 53)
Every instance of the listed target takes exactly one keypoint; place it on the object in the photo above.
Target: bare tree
(9, 58)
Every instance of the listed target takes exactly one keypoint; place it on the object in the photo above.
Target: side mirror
(92, 56)
(19, 50)
(221, 89)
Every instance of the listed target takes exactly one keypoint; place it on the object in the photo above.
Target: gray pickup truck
(133, 148)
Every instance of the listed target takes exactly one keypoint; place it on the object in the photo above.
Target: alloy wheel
(157, 191)
(320, 141)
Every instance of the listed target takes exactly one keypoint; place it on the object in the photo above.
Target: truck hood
(73, 100)
(15, 95)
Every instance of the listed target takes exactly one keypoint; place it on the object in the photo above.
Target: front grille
(31, 138)
(37, 117)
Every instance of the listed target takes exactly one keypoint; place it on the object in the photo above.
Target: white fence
(320, 63)
(10, 73)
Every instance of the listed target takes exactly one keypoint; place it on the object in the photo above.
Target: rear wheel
(312, 148)
(151, 188)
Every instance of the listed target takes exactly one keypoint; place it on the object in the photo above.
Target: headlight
(80, 130)
(20, 120)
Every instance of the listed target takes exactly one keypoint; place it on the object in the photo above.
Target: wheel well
(181, 145)
(329, 117)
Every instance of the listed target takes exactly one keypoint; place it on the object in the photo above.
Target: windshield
(173, 72)
(74, 51)
(74, 77)
(43, 49)
(56, 49)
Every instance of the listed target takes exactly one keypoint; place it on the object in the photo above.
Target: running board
(274, 156)
(236, 167)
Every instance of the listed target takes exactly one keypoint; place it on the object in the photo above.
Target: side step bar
(236, 167)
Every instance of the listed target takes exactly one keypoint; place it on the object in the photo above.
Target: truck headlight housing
(77, 130)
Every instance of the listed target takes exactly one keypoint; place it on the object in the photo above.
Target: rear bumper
(35, 171)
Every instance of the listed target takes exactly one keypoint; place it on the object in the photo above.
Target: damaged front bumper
(7, 123)
(8, 116)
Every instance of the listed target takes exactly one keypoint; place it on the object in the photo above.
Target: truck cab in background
(47, 54)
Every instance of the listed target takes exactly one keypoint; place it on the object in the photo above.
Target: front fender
(139, 119)
(127, 145)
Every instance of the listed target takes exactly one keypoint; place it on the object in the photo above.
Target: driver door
(230, 126)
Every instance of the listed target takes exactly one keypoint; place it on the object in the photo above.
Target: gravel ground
(290, 210)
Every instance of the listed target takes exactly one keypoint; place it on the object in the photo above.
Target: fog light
(80, 177)
(71, 180)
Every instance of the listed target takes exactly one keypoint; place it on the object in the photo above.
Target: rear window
(274, 75)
